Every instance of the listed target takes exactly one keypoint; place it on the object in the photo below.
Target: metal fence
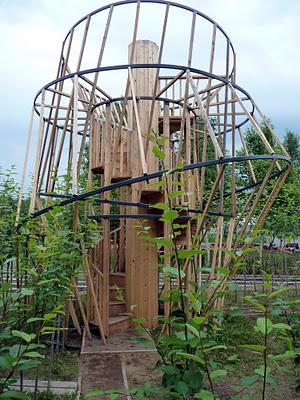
(284, 267)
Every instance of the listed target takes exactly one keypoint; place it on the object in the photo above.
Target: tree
(283, 220)
(8, 204)
(292, 144)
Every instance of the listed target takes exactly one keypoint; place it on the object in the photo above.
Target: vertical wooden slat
(38, 153)
(74, 137)
(28, 144)
(138, 124)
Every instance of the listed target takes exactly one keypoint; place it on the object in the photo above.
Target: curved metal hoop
(163, 2)
(209, 75)
(158, 174)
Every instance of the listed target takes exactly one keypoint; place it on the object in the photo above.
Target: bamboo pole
(81, 308)
(92, 291)
(204, 116)
(28, 144)
(74, 138)
(38, 154)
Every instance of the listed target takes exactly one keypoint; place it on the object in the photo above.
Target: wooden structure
(180, 84)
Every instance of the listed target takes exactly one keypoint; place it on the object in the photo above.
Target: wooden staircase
(118, 320)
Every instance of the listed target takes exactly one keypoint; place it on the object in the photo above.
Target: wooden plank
(245, 207)
(272, 197)
(192, 38)
(247, 154)
(74, 138)
(171, 83)
(254, 204)
(167, 232)
(28, 144)
(254, 123)
(269, 126)
(93, 295)
(81, 308)
(156, 83)
(123, 108)
(99, 62)
(105, 223)
(138, 124)
(204, 115)
(38, 155)
(74, 316)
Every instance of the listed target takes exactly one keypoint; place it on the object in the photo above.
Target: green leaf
(163, 242)
(176, 193)
(233, 357)
(169, 216)
(282, 326)
(5, 286)
(113, 394)
(183, 254)
(161, 206)
(261, 371)
(5, 334)
(194, 378)
(27, 364)
(25, 336)
(49, 329)
(254, 347)
(14, 395)
(139, 321)
(218, 373)
(255, 303)
(249, 380)
(15, 350)
(96, 392)
(49, 316)
(193, 330)
(169, 370)
(6, 361)
(173, 271)
(284, 356)
(216, 347)
(26, 292)
(181, 387)
(264, 325)
(159, 185)
(33, 354)
(277, 293)
(34, 319)
(191, 357)
(199, 320)
(204, 395)
(159, 153)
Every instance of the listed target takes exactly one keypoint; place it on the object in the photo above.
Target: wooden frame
(191, 107)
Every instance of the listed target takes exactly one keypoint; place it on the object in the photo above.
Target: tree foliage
(283, 220)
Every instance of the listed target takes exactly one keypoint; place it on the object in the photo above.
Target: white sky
(265, 35)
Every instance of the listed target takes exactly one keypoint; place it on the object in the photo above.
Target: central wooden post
(141, 257)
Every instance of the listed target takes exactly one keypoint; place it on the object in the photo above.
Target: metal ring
(158, 174)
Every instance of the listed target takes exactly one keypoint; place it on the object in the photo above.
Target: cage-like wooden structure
(176, 70)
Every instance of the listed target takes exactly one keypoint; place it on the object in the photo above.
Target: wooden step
(114, 293)
(118, 324)
(175, 123)
(117, 278)
(119, 178)
(98, 170)
(116, 308)
(152, 196)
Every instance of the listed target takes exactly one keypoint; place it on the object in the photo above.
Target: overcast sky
(265, 35)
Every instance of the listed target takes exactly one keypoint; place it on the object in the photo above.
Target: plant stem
(206, 365)
(265, 352)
